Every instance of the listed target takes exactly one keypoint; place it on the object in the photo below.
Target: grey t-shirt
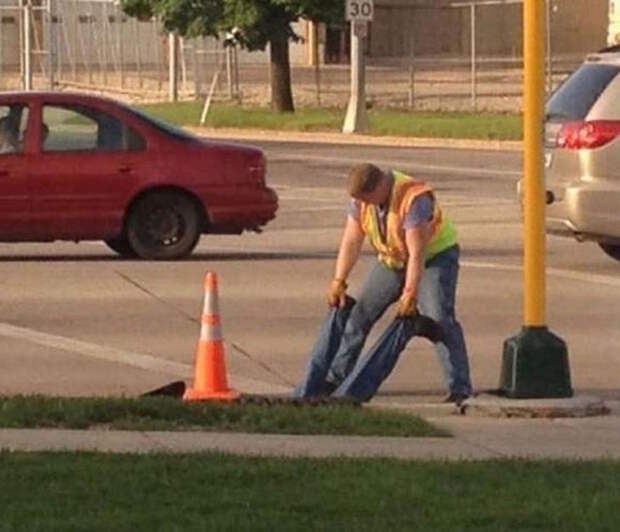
(421, 211)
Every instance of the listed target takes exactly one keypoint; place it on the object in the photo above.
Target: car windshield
(163, 126)
(575, 97)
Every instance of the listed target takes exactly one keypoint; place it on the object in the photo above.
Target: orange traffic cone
(210, 381)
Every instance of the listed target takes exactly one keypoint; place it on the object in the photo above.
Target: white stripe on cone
(211, 328)
(211, 332)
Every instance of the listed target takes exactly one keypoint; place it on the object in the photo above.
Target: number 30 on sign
(360, 9)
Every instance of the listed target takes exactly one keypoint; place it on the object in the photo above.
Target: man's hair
(363, 178)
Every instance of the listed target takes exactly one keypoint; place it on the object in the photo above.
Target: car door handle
(124, 169)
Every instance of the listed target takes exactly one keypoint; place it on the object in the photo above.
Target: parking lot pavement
(91, 332)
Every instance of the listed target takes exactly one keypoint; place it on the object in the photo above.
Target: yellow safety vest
(392, 248)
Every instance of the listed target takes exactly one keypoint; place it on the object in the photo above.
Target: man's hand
(407, 306)
(337, 293)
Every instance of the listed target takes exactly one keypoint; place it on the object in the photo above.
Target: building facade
(444, 27)
(94, 33)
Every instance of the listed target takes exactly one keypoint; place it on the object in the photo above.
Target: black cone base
(535, 365)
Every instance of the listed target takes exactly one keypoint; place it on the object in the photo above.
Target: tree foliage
(259, 22)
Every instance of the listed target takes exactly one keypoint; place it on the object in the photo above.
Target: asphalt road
(78, 320)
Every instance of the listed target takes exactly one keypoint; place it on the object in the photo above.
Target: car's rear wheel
(121, 245)
(612, 250)
(163, 225)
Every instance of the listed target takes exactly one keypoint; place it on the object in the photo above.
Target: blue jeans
(375, 366)
(336, 355)
(327, 343)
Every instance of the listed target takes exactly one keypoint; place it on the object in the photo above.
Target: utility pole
(173, 67)
(27, 45)
(359, 13)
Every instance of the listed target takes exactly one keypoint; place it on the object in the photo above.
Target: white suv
(582, 153)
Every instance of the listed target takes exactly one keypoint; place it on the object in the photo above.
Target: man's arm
(348, 254)
(418, 232)
(416, 239)
(350, 248)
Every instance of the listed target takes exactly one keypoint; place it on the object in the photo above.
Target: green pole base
(535, 366)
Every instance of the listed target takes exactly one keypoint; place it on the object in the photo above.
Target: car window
(78, 128)
(13, 121)
(575, 97)
(162, 126)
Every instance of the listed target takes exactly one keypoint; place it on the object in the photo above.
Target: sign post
(27, 14)
(359, 13)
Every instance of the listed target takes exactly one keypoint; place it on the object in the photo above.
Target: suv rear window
(576, 96)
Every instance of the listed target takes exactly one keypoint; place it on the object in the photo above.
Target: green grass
(103, 492)
(382, 122)
(447, 125)
(158, 413)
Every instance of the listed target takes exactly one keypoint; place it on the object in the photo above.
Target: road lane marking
(336, 197)
(555, 272)
(88, 349)
(293, 210)
(434, 168)
(128, 358)
(293, 197)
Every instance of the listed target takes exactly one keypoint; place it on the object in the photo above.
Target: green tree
(259, 23)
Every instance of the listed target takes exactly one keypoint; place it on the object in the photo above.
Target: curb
(423, 410)
(574, 407)
(355, 139)
(493, 406)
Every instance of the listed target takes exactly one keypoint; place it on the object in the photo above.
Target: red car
(78, 167)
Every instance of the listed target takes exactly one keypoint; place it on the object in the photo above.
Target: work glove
(337, 293)
(407, 306)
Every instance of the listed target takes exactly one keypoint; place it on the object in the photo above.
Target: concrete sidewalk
(474, 438)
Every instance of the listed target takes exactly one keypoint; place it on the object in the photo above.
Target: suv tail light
(587, 135)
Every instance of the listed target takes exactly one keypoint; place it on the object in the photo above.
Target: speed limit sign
(360, 10)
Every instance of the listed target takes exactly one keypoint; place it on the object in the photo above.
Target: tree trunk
(280, 75)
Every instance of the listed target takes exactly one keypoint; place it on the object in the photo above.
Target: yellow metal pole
(535, 361)
(534, 193)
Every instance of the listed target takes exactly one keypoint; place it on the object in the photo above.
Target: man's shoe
(456, 398)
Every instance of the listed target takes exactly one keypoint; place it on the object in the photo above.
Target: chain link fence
(91, 45)
(453, 56)
(461, 55)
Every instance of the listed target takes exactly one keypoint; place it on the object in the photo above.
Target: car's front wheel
(120, 244)
(612, 250)
(163, 226)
